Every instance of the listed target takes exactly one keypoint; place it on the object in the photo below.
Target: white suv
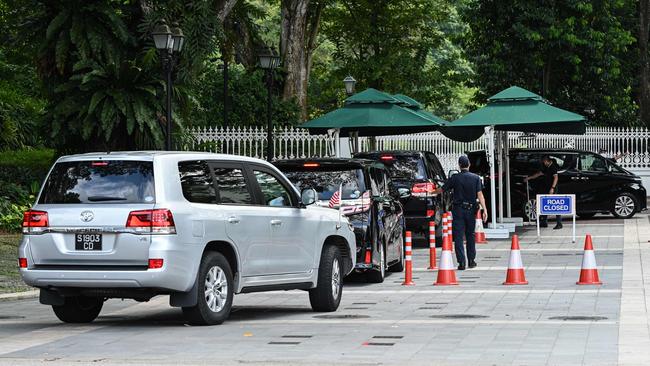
(197, 226)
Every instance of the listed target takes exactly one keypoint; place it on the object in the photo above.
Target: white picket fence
(630, 145)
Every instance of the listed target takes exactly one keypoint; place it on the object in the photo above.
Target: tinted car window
(273, 191)
(232, 185)
(406, 167)
(196, 182)
(113, 181)
(326, 182)
(592, 163)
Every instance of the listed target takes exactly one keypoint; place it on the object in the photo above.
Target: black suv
(421, 173)
(370, 201)
(600, 185)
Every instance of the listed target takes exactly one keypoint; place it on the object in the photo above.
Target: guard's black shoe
(461, 267)
(472, 264)
(557, 227)
(543, 224)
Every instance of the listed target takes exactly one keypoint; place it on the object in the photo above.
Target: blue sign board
(555, 204)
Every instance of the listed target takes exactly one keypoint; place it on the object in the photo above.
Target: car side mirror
(452, 172)
(308, 196)
(404, 192)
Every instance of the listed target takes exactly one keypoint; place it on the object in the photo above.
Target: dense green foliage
(21, 175)
(578, 54)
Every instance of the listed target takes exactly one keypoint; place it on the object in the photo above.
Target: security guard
(548, 186)
(467, 187)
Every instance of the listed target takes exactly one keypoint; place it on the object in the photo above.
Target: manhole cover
(342, 316)
(579, 318)
(7, 317)
(458, 316)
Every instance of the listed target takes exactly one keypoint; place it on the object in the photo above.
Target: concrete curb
(19, 295)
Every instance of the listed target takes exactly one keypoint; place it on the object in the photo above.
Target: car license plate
(88, 241)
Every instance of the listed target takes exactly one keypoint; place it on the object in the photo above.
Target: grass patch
(10, 280)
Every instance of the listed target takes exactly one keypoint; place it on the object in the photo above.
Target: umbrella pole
(507, 158)
(489, 134)
(500, 159)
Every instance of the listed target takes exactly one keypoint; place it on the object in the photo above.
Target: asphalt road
(551, 321)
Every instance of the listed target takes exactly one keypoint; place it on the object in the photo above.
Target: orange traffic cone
(432, 245)
(446, 272)
(450, 229)
(589, 271)
(408, 256)
(479, 233)
(515, 275)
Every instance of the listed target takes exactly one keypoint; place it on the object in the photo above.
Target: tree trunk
(223, 9)
(299, 29)
(644, 61)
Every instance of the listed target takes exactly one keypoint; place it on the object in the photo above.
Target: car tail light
(158, 221)
(387, 158)
(22, 262)
(311, 165)
(35, 222)
(99, 163)
(368, 253)
(423, 189)
(156, 263)
(430, 213)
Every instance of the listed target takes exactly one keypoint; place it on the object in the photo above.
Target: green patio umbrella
(375, 113)
(515, 109)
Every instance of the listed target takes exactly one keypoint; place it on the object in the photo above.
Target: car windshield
(405, 167)
(326, 182)
(98, 182)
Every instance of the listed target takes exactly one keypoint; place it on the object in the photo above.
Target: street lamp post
(169, 43)
(269, 60)
(349, 83)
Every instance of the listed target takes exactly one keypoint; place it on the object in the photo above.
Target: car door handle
(276, 222)
(585, 178)
(575, 178)
(233, 220)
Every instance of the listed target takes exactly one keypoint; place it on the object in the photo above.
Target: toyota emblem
(87, 216)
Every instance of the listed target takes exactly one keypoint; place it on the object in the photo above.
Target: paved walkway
(552, 321)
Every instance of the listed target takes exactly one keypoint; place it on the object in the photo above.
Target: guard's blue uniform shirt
(466, 185)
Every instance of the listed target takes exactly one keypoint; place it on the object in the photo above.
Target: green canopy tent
(375, 113)
(513, 109)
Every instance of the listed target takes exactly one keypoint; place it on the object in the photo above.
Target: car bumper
(177, 274)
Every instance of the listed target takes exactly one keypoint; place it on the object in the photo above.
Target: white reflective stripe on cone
(515, 260)
(589, 260)
(446, 262)
(408, 257)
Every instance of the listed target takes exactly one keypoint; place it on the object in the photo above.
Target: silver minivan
(199, 227)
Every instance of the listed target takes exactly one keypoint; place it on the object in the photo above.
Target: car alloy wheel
(624, 206)
(216, 289)
(336, 278)
(530, 209)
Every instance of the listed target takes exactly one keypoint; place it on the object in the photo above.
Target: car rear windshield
(327, 181)
(405, 167)
(97, 182)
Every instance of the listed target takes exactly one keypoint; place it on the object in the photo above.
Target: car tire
(214, 301)
(326, 296)
(399, 266)
(625, 206)
(586, 215)
(529, 210)
(378, 275)
(79, 309)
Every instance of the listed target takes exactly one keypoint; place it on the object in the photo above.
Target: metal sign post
(556, 204)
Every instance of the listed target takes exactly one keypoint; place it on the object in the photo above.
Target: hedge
(23, 167)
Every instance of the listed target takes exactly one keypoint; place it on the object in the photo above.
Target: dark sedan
(369, 200)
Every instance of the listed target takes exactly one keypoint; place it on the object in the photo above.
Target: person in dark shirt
(547, 186)
(467, 188)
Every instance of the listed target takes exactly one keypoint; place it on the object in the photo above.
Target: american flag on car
(336, 198)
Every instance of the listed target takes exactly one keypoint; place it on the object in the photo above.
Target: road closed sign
(556, 204)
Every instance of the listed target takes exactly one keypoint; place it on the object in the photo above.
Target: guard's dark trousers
(464, 225)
